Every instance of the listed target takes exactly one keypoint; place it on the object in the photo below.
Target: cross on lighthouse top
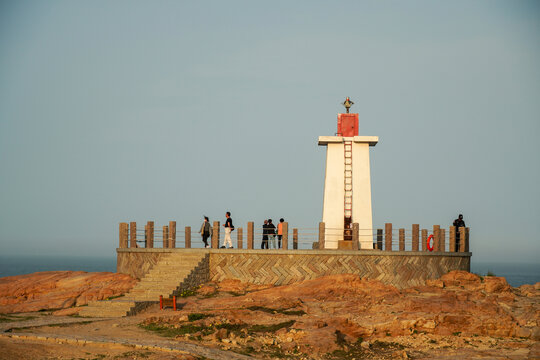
(348, 103)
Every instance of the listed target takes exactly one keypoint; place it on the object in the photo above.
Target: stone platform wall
(401, 269)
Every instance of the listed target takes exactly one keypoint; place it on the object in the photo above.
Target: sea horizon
(516, 273)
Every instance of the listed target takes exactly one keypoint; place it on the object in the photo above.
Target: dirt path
(45, 336)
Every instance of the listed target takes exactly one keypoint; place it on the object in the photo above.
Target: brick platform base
(400, 268)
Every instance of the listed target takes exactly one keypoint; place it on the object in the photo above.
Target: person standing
(228, 228)
(280, 232)
(458, 223)
(271, 234)
(206, 231)
(264, 244)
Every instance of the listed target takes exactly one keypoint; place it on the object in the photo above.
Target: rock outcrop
(59, 289)
(326, 314)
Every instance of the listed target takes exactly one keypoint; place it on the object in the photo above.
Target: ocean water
(515, 273)
(18, 265)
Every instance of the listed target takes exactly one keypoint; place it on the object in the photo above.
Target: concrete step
(160, 291)
(183, 262)
(169, 272)
(163, 279)
(152, 298)
(157, 289)
(192, 261)
(171, 268)
(166, 275)
(163, 292)
(123, 302)
(104, 312)
(155, 286)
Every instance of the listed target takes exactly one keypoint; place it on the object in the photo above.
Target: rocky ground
(460, 315)
(59, 289)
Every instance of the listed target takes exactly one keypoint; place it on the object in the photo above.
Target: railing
(387, 239)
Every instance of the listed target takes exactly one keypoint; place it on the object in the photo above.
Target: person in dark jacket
(206, 231)
(264, 244)
(271, 234)
(458, 223)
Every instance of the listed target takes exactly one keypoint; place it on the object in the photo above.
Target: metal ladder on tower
(348, 187)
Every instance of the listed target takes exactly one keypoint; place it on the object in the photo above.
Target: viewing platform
(403, 260)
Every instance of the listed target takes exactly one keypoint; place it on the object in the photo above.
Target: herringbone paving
(400, 271)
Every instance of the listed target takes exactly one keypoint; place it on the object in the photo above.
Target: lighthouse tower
(347, 184)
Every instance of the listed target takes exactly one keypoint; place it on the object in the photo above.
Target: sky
(114, 111)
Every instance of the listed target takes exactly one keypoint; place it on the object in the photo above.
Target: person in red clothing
(280, 232)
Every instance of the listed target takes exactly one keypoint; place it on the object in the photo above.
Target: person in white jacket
(228, 228)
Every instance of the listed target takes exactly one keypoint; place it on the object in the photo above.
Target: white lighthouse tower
(347, 184)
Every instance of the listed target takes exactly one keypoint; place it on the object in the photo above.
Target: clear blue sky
(117, 111)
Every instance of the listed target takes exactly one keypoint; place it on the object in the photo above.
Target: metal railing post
(436, 238)
(165, 237)
(123, 235)
(415, 237)
(285, 231)
(424, 239)
(132, 234)
(250, 235)
(215, 235)
(388, 237)
(452, 239)
(150, 231)
(239, 238)
(172, 234)
(442, 240)
(321, 235)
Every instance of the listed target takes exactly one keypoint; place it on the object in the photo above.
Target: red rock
(463, 279)
(354, 307)
(495, 284)
(59, 289)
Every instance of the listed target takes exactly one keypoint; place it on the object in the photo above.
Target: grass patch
(386, 345)
(248, 350)
(271, 328)
(198, 316)
(187, 293)
(340, 338)
(277, 311)
(230, 327)
(457, 333)
(69, 324)
(169, 331)
(490, 273)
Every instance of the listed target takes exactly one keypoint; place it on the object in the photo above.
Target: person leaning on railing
(280, 232)
(271, 234)
(458, 223)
